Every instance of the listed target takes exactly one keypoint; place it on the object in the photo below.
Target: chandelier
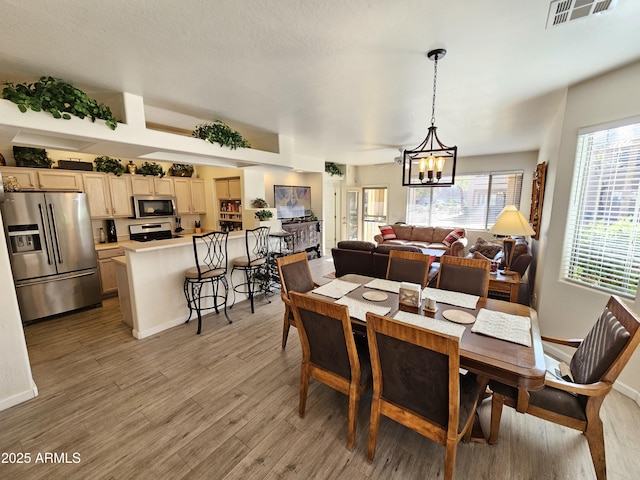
(430, 164)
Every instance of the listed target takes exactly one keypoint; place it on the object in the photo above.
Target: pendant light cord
(433, 103)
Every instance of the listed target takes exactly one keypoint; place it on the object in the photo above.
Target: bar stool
(254, 265)
(213, 270)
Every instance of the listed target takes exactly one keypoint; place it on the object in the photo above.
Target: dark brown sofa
(425, 237)
(365, 258)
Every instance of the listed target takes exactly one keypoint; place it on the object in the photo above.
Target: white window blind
(602, 244)
(475, 201)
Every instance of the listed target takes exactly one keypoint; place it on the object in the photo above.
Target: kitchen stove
(147, 232)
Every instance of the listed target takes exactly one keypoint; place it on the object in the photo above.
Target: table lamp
(510, 222)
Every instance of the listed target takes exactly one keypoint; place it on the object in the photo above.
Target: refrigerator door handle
(55, 233)
(46, 243)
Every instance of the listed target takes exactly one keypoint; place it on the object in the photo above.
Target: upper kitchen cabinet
(163, 186)
(26, 177)
(108, 195)
(67, 180)
(228, 188)
(190, 195)
(147, 185)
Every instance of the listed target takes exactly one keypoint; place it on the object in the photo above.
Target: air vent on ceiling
(564, 11)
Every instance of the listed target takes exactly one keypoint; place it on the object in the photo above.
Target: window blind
(602, 243)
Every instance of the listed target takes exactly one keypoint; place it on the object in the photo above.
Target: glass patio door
(374, 211)
(353, 221)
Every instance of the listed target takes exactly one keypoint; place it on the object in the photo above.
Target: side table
(505, 284)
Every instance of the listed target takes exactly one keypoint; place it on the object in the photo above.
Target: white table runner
(386, 285)
(512, 328)
(336, 288)
(429, 323)
(358, 309)
(458, 299)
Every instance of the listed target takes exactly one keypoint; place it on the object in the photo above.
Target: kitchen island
(155, 274)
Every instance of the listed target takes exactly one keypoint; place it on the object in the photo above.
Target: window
(374, 210)
(602, 243)
(475, 201)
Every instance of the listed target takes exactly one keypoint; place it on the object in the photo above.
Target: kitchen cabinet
(229, 203)
(107, 269)
(27, 178)
(124, 296)
(190, 196)
(163, 186)
(228, 188)
(108, 195)
(147, 185)
(67, 180)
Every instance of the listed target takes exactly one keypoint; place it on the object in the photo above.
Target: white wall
(565, 309)
(16, 383)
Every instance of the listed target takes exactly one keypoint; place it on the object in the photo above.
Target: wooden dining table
(513, 364)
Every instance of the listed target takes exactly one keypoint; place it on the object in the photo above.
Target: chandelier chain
(433, 102)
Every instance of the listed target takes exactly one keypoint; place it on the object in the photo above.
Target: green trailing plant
(181, 170)
(31, 157)
(220, 132)
(109, 165)
(332, 169)
(152, 169)
(59, 98)
(263, 215)
(259, 203)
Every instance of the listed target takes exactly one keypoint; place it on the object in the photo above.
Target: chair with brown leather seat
(330, 353)
(295, 276)
(409, 267)
(595, 366)
(464, 275)
(416, 382)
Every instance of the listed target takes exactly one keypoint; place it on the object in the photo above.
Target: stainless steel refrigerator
(52, 254)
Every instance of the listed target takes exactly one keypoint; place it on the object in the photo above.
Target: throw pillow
(387, 232)
(489, 250)
(453, 236)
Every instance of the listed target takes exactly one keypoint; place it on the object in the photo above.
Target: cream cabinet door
(107, 269)
(96, 186)
(163, 186)
(182, 187)
(120, 190)
(141, 185)
(222, 188)
(234, 188)
(198, 198)
(26, 177)
(60, 180)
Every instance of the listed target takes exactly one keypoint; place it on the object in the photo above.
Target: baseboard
(619, 386)
(19, 398)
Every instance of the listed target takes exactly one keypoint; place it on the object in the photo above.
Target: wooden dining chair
(465, 275)
(595, 366)
(295, 276)
(330, 353)
(408, 267)
(416, 382)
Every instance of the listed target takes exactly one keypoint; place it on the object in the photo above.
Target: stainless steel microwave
(145, 206)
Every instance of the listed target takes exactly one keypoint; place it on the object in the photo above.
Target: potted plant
(181, 170)
(109, 165)
(220, 132)
(263, 215)
(332, 169)
(31, 157)
(58, 98)
(152, 169)
(259, 203)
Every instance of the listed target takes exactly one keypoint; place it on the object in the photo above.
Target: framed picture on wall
(537, 196)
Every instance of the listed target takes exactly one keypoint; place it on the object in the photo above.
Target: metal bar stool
(213, 270)
(254, 265)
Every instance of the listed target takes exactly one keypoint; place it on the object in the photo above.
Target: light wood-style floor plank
(224, 405)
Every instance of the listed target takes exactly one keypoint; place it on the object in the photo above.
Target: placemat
(336, 288)
(458, 299)
(512, 328)
(358, 309)
(429, 323)
(386, 285)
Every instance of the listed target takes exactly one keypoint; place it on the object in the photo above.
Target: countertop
(182, 241)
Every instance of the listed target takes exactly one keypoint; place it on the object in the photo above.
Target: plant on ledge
(263, 215)
(259, 203)
(181, 170)
(220, 132)
(152, 169)
(109, 165)
(332, 169)
(59, 99)
(31, 157)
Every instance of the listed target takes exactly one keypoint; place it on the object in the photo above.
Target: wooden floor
(224, 405)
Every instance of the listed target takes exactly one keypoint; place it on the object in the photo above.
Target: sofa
(450, 239)
(369, 259)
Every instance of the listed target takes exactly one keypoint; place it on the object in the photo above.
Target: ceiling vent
(565, 11)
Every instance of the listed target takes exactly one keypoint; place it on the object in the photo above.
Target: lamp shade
(511, 222)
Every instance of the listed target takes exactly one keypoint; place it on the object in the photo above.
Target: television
(292, 201)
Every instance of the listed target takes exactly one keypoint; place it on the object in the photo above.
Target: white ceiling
(348, 80)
